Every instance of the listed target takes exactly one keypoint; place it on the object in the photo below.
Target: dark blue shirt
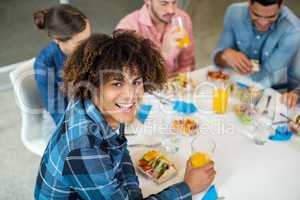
(48, 66)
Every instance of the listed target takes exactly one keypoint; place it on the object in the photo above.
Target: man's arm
(226, 40)
(131, 182)
(225, 53)
(275, 67)
(53, 99)
(90, 172)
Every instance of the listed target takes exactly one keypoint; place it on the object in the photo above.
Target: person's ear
(58, 42)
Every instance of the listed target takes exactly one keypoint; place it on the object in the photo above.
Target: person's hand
(199, 179)
(238, 61)
(289, 99)
(169, 44)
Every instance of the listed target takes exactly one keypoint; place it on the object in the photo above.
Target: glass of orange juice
(220, 98)
(184, 41)
(203, 148)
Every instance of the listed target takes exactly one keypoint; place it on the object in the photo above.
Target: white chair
(32, 134)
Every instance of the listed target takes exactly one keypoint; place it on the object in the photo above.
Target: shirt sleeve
(90, 172)
(131, 182)
(276, 66)
(128, 23)
(226, 39)
(53, 99)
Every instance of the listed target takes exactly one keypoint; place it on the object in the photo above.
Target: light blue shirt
(275, 49)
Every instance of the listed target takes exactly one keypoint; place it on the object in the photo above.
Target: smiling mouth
(125, 107)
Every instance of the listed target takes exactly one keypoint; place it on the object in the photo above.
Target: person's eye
(138, 82)
(117, 84)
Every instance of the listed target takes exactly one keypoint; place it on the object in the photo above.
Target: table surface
(244, 170)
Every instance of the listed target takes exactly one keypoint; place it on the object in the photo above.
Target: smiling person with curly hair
(87, 156)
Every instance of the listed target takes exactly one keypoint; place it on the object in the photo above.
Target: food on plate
(181, 83)
(156, 166)
(244, 113)
(217, 76)
(245, 93)
(199, 159)
(185, 126)
(184, 81)
(255, 64)
(294, 125)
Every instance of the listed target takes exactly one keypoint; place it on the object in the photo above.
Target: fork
(265, 112)
(146, 145)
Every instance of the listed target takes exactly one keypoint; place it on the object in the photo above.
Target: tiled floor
(20, 40)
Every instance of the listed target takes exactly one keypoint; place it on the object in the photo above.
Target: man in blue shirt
(262, 31)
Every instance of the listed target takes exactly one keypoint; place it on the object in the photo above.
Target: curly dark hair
(101, 57)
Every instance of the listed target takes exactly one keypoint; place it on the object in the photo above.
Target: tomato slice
(143, 162)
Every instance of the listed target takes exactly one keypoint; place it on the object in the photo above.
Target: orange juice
(199, 159)
(185, 41)
(220, 100)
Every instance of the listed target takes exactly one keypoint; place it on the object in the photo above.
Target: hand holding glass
(185, 41)
(203, 148)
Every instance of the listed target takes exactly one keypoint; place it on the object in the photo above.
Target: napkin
(211, 194)
(143, 112)
(184, 107)
(282, 133)
(242, 85)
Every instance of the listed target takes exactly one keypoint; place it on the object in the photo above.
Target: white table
(244, 170)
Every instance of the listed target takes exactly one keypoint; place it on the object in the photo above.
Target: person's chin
(166, 20)
(262, 29)
(126, 118)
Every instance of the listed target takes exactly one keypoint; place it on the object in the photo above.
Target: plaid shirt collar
(93, 112)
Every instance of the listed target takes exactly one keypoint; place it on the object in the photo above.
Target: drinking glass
(203, 148)
(185, 41)
(220, 98)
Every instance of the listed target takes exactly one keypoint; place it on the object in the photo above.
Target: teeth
(125, 105)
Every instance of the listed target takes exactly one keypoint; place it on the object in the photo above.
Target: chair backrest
(31, 106)
(24, 84)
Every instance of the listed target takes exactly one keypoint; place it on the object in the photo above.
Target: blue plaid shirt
(86, 159)
(47, 70)
(275, 49)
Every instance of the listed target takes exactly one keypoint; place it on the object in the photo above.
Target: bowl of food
(156, 166)
(180, 84)
(244, 113)
(217, 76)
(186, 126)
(246, 94)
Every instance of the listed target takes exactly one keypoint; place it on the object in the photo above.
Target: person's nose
(263, 22)
(129, 92)
(171, 9)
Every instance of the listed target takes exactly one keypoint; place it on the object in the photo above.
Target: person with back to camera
(67, 27)
(87, 156)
